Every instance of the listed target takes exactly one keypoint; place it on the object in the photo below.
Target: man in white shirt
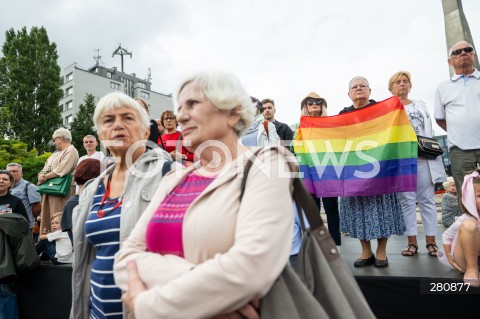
(90, 144)
(457, 108)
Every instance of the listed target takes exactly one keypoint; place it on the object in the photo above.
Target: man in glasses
(457, 108)
(283, 130)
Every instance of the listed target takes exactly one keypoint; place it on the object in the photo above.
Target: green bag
(58, 186)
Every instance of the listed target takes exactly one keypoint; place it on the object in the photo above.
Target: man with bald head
(457, 111)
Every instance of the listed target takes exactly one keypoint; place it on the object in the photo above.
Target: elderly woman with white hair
(62, 162)
(110, 205)
(201, 249)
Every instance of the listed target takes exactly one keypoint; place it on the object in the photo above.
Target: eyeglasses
(459, 51)
(359, 86)
(311, 102)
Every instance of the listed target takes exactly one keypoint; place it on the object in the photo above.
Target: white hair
(225, 92)
(116, 100)
(358, 77)
(63, 133)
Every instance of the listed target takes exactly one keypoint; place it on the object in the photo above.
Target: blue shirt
(297, 232)
(28, 197)
(104, 234)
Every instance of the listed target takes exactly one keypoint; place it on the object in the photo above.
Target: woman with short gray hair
(62, 162)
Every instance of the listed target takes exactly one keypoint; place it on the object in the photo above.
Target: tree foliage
(15, 151)
(83, 123)
(30, 86)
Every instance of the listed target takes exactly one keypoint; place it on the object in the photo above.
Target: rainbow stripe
(370, 151)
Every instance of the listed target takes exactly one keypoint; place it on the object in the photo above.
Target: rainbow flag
(370, 151)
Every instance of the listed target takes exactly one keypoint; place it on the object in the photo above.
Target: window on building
(109, 74)
(68, 119)
(114, 86)
(142, 85)
(145, 95)
(69, 105)
(69, 91)
(61, 108)
(69, 77)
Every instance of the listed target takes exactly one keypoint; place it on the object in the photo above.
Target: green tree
(16, 151)
(5, 118)
(29, 86)
(83, 123)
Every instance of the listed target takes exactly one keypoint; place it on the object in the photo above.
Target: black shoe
(365, 262)
(381, 263)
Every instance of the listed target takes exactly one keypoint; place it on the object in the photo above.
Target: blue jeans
(8, 302)
(47, 247)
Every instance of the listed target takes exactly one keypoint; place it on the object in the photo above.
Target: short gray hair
(15, 164)
(63, 133)
(116, 100)
(225, 92)
(90, 136)
(451, 49)
(358, 77)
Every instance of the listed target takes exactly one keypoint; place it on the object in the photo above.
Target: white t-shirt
(458, 102)
(63, 246)
(97, 155)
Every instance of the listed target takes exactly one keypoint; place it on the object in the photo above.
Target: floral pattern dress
(371, 217)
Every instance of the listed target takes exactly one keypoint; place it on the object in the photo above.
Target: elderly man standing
(26, 191)
(457, 108)
(90, 144)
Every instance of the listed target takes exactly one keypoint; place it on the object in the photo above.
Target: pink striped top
(164, 231)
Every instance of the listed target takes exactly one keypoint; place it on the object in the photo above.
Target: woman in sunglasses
(171, 139)
(314, 105)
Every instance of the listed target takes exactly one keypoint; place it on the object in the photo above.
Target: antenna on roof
(121, 52)
(98, 57)
(149, 75)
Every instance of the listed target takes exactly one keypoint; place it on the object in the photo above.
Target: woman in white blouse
(429, 171)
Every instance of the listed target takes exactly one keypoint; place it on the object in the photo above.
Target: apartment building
(76, 82)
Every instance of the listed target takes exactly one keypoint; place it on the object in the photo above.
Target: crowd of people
(147, 226)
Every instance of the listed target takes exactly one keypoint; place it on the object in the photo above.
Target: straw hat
(315, 96)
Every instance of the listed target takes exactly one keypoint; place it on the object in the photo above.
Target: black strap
(301, 196)
(26, 188)
(167, 165)
(161, 140)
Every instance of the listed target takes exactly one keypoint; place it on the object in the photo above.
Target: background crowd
(148, 224)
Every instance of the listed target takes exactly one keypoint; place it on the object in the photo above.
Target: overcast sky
(279, 49)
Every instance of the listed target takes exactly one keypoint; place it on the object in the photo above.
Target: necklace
(100, 212)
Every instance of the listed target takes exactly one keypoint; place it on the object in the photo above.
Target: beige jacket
(233, 251)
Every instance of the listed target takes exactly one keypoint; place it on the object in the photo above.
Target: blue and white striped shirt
(104, 234)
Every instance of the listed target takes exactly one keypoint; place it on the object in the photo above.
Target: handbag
(322, 285)
(428, 147)
(58, 186)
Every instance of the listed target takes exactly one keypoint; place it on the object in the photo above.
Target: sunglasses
(459, 51)
(311, 102)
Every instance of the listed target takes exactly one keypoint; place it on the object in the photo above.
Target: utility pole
(121, 52)
(456, 26)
